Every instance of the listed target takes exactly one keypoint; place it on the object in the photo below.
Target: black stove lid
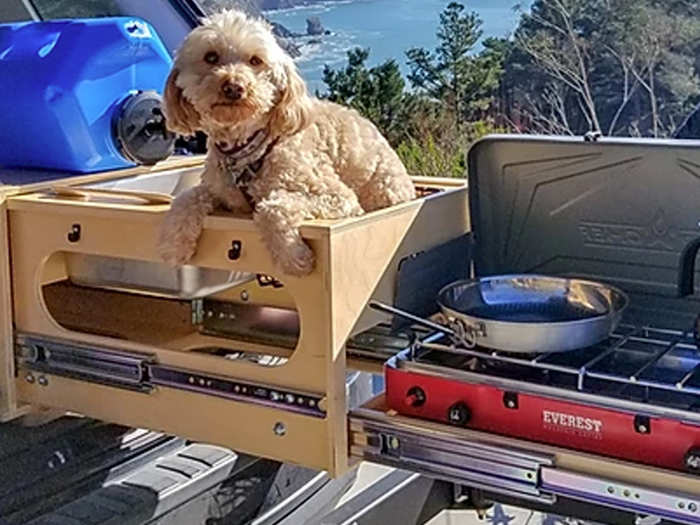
(615, 210)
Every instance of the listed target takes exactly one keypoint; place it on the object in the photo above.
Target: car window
(170, 21)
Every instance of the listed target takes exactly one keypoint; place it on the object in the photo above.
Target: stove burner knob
(692, 460)
(642, 424)
(415, 397)
(459, 414)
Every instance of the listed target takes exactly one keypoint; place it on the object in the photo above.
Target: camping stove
(599, 212)
(635, 396)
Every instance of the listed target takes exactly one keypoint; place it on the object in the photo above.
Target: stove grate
(637, 363)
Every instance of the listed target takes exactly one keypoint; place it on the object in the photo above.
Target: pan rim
(612, 312)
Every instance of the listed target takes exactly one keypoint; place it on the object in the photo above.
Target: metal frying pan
(525, 313)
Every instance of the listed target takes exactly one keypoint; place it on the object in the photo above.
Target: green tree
(432, 126)
(465, 82)
(620, 67)
(377, 92)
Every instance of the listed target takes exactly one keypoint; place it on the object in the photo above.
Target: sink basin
(170, 182)
(144, 277)
(150, 278)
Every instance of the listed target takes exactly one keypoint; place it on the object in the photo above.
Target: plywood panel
(354, 258)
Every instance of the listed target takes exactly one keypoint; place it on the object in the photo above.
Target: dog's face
(229, 72)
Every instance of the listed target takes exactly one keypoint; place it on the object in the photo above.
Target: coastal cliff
(314, 26)
(253, 7)
(257, 8)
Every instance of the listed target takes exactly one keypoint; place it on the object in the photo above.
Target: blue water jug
(82, 95)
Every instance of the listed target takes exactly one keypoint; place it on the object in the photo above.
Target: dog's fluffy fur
(315, 159)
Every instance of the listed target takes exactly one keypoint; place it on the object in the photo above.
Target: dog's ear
(180, 115)
(292, 112)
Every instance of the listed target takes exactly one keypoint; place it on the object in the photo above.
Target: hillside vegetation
(616, 67)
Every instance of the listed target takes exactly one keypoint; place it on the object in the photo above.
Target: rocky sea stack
(314, 26)
(284, 35)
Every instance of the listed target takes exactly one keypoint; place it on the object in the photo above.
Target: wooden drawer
(145, 361)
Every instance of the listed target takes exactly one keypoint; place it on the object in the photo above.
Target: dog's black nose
(232, 91)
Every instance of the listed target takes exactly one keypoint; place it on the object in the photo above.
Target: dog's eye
(255, 60)
(212, 57)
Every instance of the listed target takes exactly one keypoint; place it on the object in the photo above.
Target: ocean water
(387, 27)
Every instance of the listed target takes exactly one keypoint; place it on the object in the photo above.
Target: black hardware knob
(459, 414)
(74, 233)
(642, 424)
(510, 400)
(592, 136)
(267, 280)
(235, 252)
(692, 460)
(415, 397)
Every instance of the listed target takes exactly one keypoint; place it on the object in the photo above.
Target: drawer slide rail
(443, 453)
(141, 372)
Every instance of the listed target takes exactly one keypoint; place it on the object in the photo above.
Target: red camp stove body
(660, 441)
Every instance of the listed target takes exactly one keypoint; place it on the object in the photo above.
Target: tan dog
(272, 149)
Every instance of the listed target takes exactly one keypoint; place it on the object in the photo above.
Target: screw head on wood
(394, 443)
(279, 429)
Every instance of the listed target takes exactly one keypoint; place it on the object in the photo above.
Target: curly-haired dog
(272, 149)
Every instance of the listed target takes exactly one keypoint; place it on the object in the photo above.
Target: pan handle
(381, 307)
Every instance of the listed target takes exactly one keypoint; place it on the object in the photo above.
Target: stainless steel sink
(170, 182)
(143, 277)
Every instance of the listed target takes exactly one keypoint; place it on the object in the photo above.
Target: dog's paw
(298, 260)
(179, 254)
(182, 225)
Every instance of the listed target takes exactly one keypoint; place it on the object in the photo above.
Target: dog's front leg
(280, 214)
(278, 218)
(183, 224)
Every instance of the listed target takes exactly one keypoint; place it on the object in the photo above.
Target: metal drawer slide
(445, 453)
(505, 471)
(142, 372)
(683, 508)
(106, 366)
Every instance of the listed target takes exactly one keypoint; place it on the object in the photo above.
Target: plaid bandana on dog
(242, 163)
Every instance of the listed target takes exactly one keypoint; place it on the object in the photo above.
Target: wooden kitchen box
(183, 365)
